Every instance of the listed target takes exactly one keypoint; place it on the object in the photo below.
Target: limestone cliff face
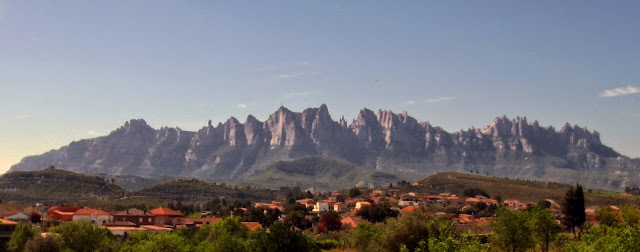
(233, 149)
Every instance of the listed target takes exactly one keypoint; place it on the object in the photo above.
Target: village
(472, 213)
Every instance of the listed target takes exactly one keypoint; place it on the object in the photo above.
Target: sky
(71, 70)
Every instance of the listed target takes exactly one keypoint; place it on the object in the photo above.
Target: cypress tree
(573, 209)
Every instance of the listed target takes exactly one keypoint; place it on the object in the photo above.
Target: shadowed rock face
(385, 141)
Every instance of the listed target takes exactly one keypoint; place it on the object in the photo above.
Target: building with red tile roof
(252, 225)
(137, 216)
(408, 209)
(351, 221)
(61, 213)
(165, 216)
(97, 216)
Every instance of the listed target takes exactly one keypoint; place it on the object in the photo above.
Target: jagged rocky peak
(253, 130)
(134, 125)
(234, 133)
(366, 126)
(283, 128)
(343, 122)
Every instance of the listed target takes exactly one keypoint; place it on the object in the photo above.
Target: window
(140, 219)
(149, 219)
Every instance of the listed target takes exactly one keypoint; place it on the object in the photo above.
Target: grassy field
(523, 190)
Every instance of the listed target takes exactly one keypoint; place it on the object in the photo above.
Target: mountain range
(384, 141)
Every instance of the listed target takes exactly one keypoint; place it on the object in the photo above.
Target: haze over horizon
(71, 70)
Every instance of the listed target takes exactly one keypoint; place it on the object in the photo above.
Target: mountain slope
(526, 191)
(388, 142)
(318, 173)
(198, 190)
(55, 185)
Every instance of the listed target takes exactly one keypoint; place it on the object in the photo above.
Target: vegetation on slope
(318, 173)
(198, 190)
(51, 185)
(523, 190)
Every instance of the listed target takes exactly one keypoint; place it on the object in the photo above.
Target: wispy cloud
(290, 75)
(241, 105)
(620, 91)
(20, 117)
(439, 99)
(35, 39)
(410, 102)
(92, 132)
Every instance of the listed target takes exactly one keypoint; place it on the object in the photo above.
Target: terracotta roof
(165, 211)
(252, 225)
(364, 202)
(7, 222)
(63, 213)
(408, 209)
(90, 211)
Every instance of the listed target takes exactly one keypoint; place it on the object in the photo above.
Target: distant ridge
(385, 141)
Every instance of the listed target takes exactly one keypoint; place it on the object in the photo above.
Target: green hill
(318, 173)
(523, 190)
(198, 190)
(55, 186)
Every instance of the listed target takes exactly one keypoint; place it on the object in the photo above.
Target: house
(252, 225)
(155, 229)
(351, 221)
(516, 205)
(361, 204)
(6, 229)
(61, 213)
(307, 202)
(210, 220)
(96, 216)
(124, 231)
(19, 216)
(164, 216)
(321, 206)
(408, 209)
(134, 215)
(336, 197)
(340, 207)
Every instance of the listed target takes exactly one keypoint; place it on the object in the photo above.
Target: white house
(321, 206)
(96, 216)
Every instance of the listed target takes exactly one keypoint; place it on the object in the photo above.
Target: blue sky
(78, 69)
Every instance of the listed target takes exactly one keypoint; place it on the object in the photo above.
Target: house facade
(134, 215)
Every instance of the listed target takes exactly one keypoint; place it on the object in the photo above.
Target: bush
(328, 244)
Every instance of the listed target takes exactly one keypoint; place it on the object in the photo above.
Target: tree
(473, 192)
(50, 243)
(376, 212)
(162, 242)
(280, 237)
(83, 236)
(365, 234)
(544, 226)
(296, 215)
(329, 222)
(573, 215)
(354, 192)
(606, 217)
(35, 217)
(20, 236)
(408, 230)
(512, 231)
(630, 216)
